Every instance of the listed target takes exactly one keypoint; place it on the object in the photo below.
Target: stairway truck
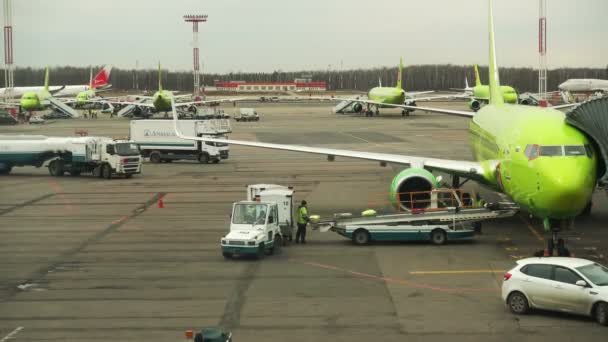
(101, 156)
(157, 140)
(254, 230)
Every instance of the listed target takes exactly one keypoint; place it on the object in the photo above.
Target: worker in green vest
(302, 221)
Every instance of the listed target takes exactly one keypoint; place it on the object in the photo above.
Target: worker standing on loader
(302, 221)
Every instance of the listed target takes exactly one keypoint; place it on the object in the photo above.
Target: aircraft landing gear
(556, 246)
(377, 111)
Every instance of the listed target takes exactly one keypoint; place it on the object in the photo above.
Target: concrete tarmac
(86, 259)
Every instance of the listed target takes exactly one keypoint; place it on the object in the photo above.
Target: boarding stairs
(58, 105)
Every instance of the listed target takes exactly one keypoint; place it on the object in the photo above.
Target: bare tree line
(415, 77)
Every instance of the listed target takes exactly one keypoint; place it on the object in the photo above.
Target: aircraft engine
(357, 107)
(474, 105)
(525, 102)
(411, 181)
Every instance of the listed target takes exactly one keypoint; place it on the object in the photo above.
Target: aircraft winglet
(46, 79)
(477, 78)
(160, 85)
(400, 74)
(495, 94)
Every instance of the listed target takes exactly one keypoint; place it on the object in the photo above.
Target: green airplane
(384, 97)
(160, 101)
(528, 153)
(480, 93)
(43, 99)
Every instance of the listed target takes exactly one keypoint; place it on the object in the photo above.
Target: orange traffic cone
(160, 202)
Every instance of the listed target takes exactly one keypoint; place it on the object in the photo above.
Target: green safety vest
(302, 215)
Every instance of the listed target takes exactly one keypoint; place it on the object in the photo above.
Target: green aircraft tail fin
(477, 78)
(46, 79)
(495, 94)
(400, 74)
(160, 84)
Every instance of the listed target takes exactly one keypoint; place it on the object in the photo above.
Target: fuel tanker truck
(103, 157)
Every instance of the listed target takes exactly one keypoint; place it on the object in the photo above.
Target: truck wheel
(361, 237)
(56, 168)
(128, 175)
(203, 158)
(227, 255)
(276, 246)
(260, 253)
(438, 237)
(6, 169)
(216, 161)
(106, 171)
(155, 157)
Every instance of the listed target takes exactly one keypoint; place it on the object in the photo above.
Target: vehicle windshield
(250, 213)
(127, 149)
(597, 273)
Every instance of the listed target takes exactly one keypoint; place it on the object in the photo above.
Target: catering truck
(157, 140)
(261, 224)
(103, 157)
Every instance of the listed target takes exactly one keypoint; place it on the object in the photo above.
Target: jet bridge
(591, 117)
(63, 108)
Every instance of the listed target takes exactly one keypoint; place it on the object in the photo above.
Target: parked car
(571, 285)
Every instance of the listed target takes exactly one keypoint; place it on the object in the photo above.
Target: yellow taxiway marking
(459, 272)
(532, 229)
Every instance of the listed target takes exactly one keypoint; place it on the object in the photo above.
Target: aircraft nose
(567, 193)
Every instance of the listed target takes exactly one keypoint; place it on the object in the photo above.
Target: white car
(570, 285)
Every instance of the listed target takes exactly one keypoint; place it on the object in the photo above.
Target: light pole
(195, 19)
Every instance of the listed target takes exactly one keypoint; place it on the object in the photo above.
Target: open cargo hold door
(591, 117)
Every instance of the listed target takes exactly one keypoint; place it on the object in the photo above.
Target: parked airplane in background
(582, 85)
(159, 102)
(42, 99)
(100, 81)
(480, 93)
(529, 153)
(384, 97)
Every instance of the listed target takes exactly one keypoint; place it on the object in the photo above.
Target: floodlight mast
(195, 19)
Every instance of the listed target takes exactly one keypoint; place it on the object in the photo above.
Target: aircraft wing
(416, 93)
(469, 169)
(127, 103)
(182, 104)
(430, 98)
(427, 109)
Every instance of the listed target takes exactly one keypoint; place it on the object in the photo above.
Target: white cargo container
(157, 140)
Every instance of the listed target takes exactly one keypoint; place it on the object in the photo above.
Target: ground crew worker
(302, 220)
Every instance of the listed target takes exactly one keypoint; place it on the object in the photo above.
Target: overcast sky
(267, 35)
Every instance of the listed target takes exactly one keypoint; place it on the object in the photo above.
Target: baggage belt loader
(436, 224)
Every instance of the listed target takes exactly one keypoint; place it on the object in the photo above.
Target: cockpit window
(531, 152)
(534, 151)
(574, 150)
(589, 150)
(551, 151)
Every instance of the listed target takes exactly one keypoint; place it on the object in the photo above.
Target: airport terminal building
(297, 85)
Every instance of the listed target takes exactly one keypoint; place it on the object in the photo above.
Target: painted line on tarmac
(403, 282)
(11, 334)
(457, 272)
(538, 235)
(25, 204)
